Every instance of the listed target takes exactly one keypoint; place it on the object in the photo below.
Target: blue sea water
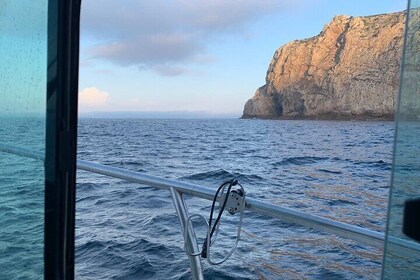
(335, 169)
(21, 200)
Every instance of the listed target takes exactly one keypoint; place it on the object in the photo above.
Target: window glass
(23, 56)
(401, 262)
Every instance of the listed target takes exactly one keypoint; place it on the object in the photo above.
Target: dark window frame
(61, 138)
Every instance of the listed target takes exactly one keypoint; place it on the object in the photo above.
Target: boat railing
(178, 189)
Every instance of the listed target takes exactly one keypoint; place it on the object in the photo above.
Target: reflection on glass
(23, 29)
(398, 263)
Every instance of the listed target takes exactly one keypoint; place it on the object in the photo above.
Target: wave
(215, 174)
(88, 186)
(337, 202)
(221, 175)
(120, 262)
(299, 161)
(376, 164)
(330, 171)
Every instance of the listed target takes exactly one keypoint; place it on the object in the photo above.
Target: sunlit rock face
(349, 71)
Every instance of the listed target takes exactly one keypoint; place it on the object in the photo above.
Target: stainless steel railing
(176, 187)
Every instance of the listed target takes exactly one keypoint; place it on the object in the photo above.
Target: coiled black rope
(213, 227)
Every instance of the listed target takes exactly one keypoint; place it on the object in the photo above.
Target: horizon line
(160, 114)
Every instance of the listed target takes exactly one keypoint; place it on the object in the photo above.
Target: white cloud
(154, 35)
(92, 98)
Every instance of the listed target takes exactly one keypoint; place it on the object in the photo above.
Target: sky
(23, 56)
(193, 55)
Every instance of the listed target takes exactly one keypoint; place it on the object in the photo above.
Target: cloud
(154, 34)
(170, 71)
(148, 49)
(93, 98)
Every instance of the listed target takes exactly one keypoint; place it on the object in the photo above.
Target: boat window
(38, 121)
(399, 263)
(23, 56)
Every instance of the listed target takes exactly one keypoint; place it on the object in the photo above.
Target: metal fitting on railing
(233, 201)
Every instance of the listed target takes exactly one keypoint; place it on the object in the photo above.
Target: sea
(340, 170)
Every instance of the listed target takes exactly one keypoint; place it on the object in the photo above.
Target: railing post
(182, 211)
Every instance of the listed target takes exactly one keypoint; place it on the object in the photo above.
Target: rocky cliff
(350, 70)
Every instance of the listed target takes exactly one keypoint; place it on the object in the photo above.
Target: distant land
(158, 115)
(349, 71)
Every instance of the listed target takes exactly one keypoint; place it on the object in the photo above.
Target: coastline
(329, 117)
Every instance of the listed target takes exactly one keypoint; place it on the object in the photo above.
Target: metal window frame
(61, 138)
